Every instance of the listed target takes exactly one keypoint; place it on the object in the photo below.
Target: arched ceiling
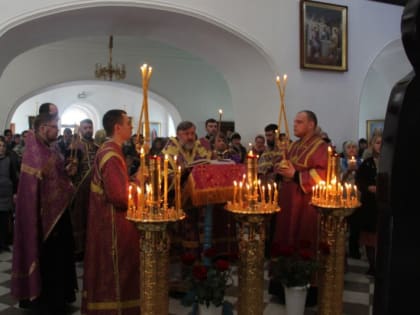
(178, 29)
(246, 69)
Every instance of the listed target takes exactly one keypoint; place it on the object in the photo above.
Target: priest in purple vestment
(43, 269)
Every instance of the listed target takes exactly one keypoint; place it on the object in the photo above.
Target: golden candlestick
(334, 203)
(281, 85)
(283, 143)
(219, 125)
(250, 213)
(146, 73)
(333, 227)
(152, 215)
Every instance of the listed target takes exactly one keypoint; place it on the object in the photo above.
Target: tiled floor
(357, 297)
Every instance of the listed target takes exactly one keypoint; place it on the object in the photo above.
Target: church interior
(207, 56)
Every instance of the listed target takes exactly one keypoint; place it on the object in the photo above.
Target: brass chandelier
(108, 72)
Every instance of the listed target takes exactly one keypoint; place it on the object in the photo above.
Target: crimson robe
(297, 219)
(111, 268)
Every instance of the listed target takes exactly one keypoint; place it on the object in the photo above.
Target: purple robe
(43, 195)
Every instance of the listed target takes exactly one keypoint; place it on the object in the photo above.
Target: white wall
(247, 42)
(100, 97)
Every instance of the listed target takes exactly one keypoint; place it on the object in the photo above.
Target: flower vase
(295, 299)
(210, 310)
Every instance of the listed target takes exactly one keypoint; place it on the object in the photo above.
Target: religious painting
(323, 36)
(154, 128)
(373, 127)
(31, 122)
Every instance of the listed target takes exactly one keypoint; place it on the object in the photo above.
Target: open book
(207, 161)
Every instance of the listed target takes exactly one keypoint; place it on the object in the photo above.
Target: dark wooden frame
(323, 36)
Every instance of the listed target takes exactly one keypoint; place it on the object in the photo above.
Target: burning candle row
(246, 196)
(249, 195)
(335, 195)
(146, 201)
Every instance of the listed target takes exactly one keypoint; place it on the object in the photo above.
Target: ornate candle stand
(151, 215)
(154, 263)
(251, 234)
(251, 214)
(333, 227)
(334, 204)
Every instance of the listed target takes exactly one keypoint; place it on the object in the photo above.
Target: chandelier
(107, 72)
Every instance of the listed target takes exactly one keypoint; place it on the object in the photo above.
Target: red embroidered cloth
(213, 183)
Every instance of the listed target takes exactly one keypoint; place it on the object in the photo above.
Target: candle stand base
(251, 237)
(333, 227)
(154, 264)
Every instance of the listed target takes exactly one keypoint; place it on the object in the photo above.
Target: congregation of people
(63, 200)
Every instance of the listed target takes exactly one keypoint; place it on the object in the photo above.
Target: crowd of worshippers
(63, 198)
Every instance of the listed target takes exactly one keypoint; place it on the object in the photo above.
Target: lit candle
(219, 125)
(240, 194)
(251, 168)
(165, 182)
(142, 168)
(263, 195)
(329, 165)
(352, 163)
(235, 188)
(269, 193)
(356, 194)
(139, 207)
(155, 178)
(178, 196)
(146, 72)
(130, 199)
(148, 192)
(276, 192)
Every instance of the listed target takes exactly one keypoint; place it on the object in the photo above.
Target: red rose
(200, 272)
(188, 259)
(222, 265)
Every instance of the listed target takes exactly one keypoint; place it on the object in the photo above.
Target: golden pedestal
(154, 262)
(333, 227)
(251, 236)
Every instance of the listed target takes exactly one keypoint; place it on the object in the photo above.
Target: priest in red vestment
(307, 165)
(111, 267)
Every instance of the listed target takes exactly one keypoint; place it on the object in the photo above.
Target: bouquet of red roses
(207, 280)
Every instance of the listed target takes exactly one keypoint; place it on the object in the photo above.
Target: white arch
(65, 95)
(389, 66)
